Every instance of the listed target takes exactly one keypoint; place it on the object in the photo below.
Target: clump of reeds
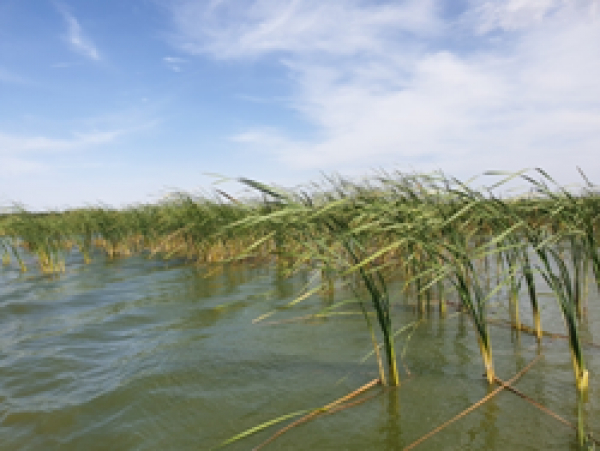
(430, 231)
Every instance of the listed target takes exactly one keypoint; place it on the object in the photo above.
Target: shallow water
(146, 355)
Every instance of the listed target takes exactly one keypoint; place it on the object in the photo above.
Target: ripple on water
(140, 355)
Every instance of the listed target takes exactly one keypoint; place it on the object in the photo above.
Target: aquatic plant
(435, 234)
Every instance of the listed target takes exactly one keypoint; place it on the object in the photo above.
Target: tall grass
(429, 231)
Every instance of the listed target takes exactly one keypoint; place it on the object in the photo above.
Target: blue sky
(122, 101)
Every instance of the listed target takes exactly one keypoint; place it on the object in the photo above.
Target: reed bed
(435, 234)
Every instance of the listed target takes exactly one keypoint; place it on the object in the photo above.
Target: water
(144, 355)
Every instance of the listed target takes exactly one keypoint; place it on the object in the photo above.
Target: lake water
(137, 354)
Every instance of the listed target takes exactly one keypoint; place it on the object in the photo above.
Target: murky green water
(135, 355)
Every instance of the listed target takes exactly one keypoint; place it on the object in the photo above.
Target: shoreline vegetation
(435, 234)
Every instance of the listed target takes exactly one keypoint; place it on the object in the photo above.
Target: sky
(121, 102)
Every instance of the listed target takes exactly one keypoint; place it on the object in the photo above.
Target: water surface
(137, 354)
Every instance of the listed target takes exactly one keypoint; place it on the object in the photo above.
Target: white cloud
(9, 77)
(226, 30)
(508, 84)
(76, 38)
(20, 144)
(512, 15)
(21, 154)
(174, 60)
(64, 65)
(15, 166)
(174, 63)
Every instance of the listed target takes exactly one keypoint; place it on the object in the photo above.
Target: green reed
(433, 233)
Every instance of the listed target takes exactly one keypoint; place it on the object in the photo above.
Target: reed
(430, 232)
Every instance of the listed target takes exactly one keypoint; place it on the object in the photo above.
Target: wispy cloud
(18, 166)
(21, 144)
(65, 65)
(78, 41)
(174, 63)
(505, 84)
(226, 30)
(511, 15)
(9, 77)
(21, 154)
